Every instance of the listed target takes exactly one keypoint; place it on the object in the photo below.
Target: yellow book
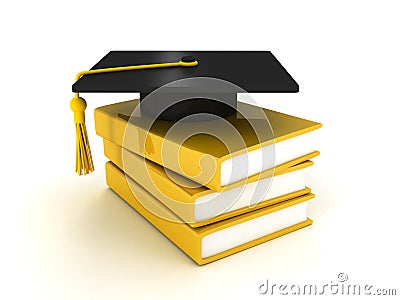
(198, 205)
(236, 151)
(211, 242)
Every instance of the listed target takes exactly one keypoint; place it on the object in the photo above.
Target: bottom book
(212, 242)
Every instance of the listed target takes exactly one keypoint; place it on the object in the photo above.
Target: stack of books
(211, 199)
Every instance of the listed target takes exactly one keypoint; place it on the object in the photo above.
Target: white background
(69, 237)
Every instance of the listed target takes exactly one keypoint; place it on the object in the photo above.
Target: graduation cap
(172, 86)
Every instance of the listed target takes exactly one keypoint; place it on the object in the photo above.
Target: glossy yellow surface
(112, 122)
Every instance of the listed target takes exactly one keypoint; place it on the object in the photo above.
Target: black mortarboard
(251, 71)
(165, 78)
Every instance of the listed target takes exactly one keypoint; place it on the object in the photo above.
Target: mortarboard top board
(248, 71)
(177, 84)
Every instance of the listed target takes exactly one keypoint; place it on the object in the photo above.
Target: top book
(213, 153)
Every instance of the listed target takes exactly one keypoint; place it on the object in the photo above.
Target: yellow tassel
(84, 162)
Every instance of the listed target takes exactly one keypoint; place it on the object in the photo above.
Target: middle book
(199, 205)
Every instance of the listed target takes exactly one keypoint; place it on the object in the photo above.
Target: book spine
(178, 233)
(176, 157)
(151, 180)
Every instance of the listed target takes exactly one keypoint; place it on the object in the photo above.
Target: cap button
(188, 59)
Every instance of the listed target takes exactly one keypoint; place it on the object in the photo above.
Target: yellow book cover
(212, 242)
(213, 153)
(198, 205)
